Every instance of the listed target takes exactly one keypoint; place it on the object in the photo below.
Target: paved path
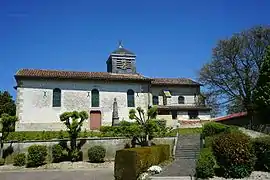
(95, 174)
(183, 167)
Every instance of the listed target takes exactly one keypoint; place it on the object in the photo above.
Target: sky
(171, 38)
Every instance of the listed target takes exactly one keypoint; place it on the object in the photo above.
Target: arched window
(130, 98)
(181, 100)
(95, 98)
(56, 97)
(155, 100)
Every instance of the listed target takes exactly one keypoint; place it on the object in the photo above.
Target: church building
(42, 95)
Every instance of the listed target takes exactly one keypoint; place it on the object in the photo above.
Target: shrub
(96, 154)
(59, 154)
(36, 155)
(262, 151)
(213, 128)
(205, 164)
(130, 163)
(234, 154)
(19, 159)
(2, 161)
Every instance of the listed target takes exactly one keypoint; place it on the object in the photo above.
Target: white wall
(34, 100)
(186, 92)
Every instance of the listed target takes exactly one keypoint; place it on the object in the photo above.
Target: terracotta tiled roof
(57, 74)
(174, 81)
(231, 116)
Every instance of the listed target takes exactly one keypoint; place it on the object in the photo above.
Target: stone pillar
(115, 117)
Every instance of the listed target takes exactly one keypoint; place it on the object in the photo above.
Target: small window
(193, 114)
(57, 97)
(174, 114)
(95, 98)
(181, 100)
(130, 98)
(155, 100)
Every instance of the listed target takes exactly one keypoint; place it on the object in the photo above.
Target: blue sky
(171, 38)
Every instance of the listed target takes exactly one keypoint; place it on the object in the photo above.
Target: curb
(50, 170)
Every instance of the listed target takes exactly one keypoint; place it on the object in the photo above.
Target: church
(42, 95)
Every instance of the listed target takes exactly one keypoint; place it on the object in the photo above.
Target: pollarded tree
(145, 126)
(234, 69)
(74, 122)
(262, 92)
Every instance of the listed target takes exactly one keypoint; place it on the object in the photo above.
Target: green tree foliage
(145, 126)
(7, 123)
(74, 121)
(234, 69)
(262, 92)
(7, 104)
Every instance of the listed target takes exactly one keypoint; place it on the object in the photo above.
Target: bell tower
(121, 61)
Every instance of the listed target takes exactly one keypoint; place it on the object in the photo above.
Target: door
(95, 120)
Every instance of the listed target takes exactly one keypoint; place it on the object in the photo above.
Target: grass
(189, 131)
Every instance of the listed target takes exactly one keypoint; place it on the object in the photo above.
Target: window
(130, 98)
(155, 100)
(174, 114)
(193, 114)
(95, 98)
(181, 100)
(57, 97)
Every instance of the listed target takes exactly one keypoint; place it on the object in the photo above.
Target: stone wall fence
(111, 144)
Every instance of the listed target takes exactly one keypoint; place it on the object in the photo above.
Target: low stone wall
(110, 144)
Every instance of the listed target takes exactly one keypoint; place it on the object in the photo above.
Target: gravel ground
(256, 175)
(61, 166)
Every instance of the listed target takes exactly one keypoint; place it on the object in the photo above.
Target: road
(95, 174)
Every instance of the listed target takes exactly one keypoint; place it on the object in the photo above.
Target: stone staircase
(187, 151)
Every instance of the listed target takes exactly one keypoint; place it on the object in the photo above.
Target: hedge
(19, 159)
(36, 155)
(234, 154)
(214, 128)
(48, 135)
(96, 154)
(205, 164)
(262, 151)
(130, 163)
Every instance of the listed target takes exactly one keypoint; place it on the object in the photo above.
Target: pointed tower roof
(122, 51)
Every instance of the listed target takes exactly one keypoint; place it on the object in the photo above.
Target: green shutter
(95, 98)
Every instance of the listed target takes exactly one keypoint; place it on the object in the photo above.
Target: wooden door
(95, 120)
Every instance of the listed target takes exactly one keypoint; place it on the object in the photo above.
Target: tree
(210, 99)
(262, 92)
(7, 105)
(7, 124)
(145, 126)
(233, 72)
(74, 121)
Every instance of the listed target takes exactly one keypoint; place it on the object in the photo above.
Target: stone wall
(110, 144)
(34, 102)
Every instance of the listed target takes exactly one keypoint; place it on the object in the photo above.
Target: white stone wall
(186, 92)
(34, 100)
(203, 115)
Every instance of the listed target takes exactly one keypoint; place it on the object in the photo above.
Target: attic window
(167, 93)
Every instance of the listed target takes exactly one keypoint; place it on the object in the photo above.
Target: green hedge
(130, 163)
(214, 128)
(96, 154)
(36, 155)
(19, 159)
(234, 154)
(262, 151)
(205, 164)
(48, 135)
